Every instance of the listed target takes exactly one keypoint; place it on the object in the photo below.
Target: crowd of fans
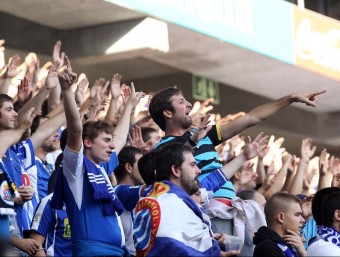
(108, 171)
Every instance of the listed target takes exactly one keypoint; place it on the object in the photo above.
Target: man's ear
(237, 175)
(336, 215)
(167, 114)
(87, 142)
(280, 217)
(175, 171)
(128, 168)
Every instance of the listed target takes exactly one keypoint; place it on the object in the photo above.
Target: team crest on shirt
(37, 217)
(159, 188)
(145, 238)
(6, 195)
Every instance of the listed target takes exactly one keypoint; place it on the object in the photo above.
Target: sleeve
(44, 217)
(214, 180)
(128, 195)
(73, 163)
(215, 135)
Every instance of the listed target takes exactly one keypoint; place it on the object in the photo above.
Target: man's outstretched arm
(263, 112)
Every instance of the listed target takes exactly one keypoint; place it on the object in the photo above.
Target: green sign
(203, 89)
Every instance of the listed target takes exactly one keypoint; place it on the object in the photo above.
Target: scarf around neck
(329, 234)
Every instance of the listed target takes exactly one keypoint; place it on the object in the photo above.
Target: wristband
(192, 143)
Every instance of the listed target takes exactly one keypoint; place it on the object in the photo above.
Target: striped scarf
(329, 235)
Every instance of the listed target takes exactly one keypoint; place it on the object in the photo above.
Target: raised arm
(307, 151)
(50, 83)
(73, 121)
(10, 71)
(280, 178)
(325, 175)
(263, 112)
(250, 151)
(47, 129)
(122, 128)
(10, 137)
(115, 93)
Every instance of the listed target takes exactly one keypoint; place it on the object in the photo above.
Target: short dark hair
(160, 102)
(92, 129)
(146, 167)
(317, 202)
(247, 194)
(146, 133)
(126, 155)
(279, 202)
(36, 122)
(5, 98)
(330, 204)
(169, 155)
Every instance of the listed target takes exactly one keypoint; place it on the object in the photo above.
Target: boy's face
(100, 148)
(8, 116)
(293, 219)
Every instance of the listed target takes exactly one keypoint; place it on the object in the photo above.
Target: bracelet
(192, 143)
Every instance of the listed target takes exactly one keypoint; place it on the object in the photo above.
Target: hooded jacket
(266, 241)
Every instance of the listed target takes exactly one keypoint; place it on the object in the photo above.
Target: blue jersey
(204, 152)
(206, 157)
(20, 164)
(44, 171)
(54, 226)
(88, 223)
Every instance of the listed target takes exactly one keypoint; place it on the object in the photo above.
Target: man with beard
(171, 112)
(168, 222)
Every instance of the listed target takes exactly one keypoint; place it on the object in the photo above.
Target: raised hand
(115, 86)
(334, 167)
(32, 61)
(293, 164)
(58, 56)
(199, 110)
(25, 90)
(81, 90)
(202, 129)
(2, 54)
(135, 96)
(98, 90)
(270, 177)
(324, 162)
(307, 98)
(52, 80)
(136, 139)
(252, 149)
(67, 77)
(307, 151)
(13, 65)
(126, 92)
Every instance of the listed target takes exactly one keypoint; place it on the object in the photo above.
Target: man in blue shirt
(92, 206)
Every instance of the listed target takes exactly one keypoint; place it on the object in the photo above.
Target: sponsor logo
(67, 228)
